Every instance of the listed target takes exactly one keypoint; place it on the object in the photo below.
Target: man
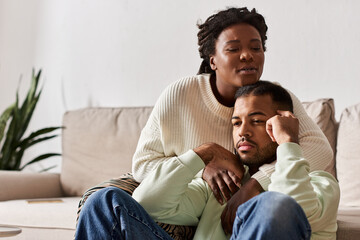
(298, 205)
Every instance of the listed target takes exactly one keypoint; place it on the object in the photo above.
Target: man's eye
(257, 121)
(236, 124)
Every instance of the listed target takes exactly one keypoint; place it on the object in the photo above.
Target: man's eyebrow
(249, 115)
(256, 113)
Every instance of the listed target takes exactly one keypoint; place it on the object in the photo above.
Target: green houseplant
(13, 124)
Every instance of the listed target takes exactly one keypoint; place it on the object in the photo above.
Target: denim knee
(104, 197)
(280, 208)
(271, 214)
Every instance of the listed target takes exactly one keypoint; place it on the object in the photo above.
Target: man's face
(251, 140)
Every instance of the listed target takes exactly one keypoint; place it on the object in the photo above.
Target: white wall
(124, 52)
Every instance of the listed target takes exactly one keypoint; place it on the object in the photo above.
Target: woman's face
(239, 57)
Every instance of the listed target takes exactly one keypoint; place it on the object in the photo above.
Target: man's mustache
(244, 139)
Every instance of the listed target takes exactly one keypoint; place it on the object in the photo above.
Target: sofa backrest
(348, 156)
(98, 144)
(322, 111)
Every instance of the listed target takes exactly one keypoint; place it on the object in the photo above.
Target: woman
(195, 112)
(198, 109)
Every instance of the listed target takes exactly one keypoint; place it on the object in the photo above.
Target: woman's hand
(223, 170)
(249, 190)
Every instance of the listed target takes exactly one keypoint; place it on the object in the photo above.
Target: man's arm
(281, 128)
(170, 194)
(316, 192)
(315, 146)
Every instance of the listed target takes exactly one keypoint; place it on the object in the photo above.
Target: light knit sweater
(171, 194)
(187, 114)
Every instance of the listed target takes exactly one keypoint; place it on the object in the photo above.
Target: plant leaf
(8, 147)
(42, 131)
(40, 158)
(37, 133)
(26, 144)
(4, 118)
(47, 169)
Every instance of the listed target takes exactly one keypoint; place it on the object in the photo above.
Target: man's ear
(212, 63)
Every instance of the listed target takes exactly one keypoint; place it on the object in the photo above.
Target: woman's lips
(247, 71)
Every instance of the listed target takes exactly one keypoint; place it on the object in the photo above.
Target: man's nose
(244, 130)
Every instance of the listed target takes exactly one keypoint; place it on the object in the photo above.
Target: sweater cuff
(192, 161)
(289, 149)
(262, 179)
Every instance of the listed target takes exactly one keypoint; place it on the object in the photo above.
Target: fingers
(235, 180)
(216, 191)
(285, 113)
(283, 127)
(224, 186)
(269, 130)
(224, 189)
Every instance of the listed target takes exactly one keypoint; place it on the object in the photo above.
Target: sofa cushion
(50, 213)
(98, 144)
(348, 152)
(322, 111)
(348, 221)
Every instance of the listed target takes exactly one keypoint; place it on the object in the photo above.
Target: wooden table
(9, 231)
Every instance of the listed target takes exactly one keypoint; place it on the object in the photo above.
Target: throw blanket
(127, 183)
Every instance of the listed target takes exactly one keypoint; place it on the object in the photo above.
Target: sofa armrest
(25, 185)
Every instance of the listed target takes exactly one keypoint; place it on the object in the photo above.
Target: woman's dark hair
(278, 94)
(215, 24)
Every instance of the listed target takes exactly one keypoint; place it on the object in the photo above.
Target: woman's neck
(226, 98)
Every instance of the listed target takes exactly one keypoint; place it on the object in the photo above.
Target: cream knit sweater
(187, 115)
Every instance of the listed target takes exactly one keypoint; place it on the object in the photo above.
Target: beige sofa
(98, 144)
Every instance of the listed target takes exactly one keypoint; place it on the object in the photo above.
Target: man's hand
(283, 127)
(249, 190)
(223, 170)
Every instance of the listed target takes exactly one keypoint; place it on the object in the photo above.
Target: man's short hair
(278, 94)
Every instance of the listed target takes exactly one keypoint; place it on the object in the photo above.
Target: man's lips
(245, 146)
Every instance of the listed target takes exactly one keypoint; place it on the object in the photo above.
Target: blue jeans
(271, 215)
(111, 213)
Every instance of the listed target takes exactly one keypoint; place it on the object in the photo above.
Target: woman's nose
(246, 56)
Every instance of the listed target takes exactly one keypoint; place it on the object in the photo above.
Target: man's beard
(262, 156)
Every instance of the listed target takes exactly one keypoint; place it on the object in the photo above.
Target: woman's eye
(232, 49)
(256, 48)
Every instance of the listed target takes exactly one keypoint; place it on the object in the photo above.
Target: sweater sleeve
(316, 148)
(316, 192)
(171, 194)
(150, 150)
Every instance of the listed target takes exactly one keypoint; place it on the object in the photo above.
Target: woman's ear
(212, 63)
